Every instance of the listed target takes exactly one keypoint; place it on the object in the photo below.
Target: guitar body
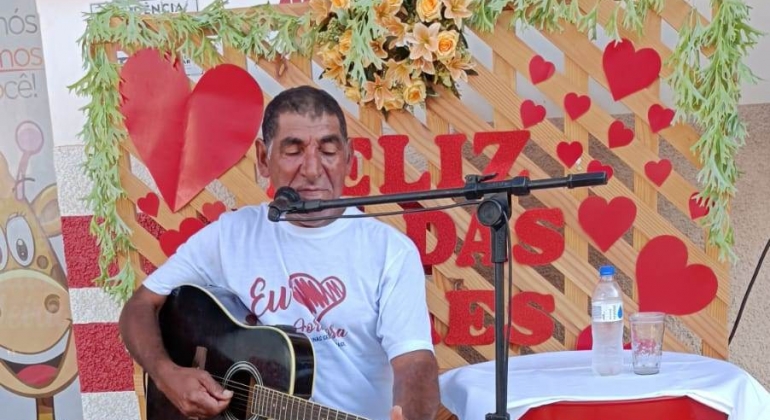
(207, 329)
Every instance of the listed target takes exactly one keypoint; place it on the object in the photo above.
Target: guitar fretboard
(280, 406)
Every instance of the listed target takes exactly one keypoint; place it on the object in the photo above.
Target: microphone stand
(494, 211)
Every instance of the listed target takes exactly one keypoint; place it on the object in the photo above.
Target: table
(545, 378)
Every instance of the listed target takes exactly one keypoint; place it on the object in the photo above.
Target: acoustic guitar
(269, 368)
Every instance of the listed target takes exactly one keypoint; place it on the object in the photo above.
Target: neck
(280, 406)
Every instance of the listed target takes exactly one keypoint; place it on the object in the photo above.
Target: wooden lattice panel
(570, 279)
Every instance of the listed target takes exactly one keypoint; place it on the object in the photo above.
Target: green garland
(709, 94)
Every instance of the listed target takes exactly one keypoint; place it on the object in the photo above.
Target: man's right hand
(194, 392)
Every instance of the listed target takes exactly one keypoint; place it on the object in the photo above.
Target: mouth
(39, 369)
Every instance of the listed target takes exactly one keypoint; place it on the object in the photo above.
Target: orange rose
(414, 93)
(340, 4)
(429, 10)
(447, 44)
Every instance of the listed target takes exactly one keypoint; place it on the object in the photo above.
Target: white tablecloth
(544, 378)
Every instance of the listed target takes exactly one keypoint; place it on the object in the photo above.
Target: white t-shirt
(364, 289)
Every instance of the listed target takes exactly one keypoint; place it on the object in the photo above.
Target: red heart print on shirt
(318, 296)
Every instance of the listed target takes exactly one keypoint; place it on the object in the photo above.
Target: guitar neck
(280, 406)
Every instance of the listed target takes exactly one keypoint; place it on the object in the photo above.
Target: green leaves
(710, 94)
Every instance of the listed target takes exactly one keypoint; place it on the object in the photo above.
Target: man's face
(309, 155)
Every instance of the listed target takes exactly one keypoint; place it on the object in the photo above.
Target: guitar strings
(281, 397)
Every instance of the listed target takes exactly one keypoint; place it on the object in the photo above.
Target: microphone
(285, 198)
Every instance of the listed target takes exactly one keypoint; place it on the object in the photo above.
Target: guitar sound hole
(241, 378)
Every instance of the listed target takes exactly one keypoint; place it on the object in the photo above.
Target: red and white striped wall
(105, 368)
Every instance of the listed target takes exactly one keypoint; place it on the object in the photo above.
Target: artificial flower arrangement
(392, 52)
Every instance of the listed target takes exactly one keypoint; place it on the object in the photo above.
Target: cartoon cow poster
(38, 362)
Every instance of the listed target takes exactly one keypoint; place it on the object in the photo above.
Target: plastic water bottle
(607, 324)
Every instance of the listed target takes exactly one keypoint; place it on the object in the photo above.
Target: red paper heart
(596, 166)
(659, 117)
(540, 70)
(188, 139)
(618, 135)
(585, 340)
(170, 240)
(604, 222)
(569, 153)
(576, 105)
(524, 172)
(667, 284)
(658, 172)
(531, 114)
(629, 71)
(698, 210)
(318, 296)
(212, 211)
(149, 204)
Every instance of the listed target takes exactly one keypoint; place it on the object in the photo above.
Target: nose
(311, 165)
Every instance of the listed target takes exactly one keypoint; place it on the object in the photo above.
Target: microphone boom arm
(476, 187)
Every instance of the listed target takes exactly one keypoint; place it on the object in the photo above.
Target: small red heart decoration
(149, 204)
(667, 284)
(524, 172)
(170, 240)
(585, 340)
(212, 211)
(629, 71)
(569, 153)
(531, 114)
(618, 135)
(596, 166)
(203, 132)
(576, 105)
(698, 210)
(658, 172)
(540, 70)
(659, 117)
(604, 222)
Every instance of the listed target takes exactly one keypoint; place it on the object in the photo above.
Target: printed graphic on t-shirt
(318, 296)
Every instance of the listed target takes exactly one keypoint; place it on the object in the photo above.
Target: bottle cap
(606, 270)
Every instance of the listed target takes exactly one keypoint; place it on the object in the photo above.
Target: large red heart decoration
(569, 153)
(658, 172)
(596, 166)
(318, 296)
(188, 139)
(666, 283)
(698, 209)
(659, 117)
(618, 135)
(540, 70)
(170, 240)
(629, 71)
(149, 204)
(531, 114)
(604, 222)
(576, 105)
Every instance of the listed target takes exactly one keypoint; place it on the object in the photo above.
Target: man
(374, 356)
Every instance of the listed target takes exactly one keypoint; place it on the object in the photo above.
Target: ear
(46, 208)
(264, 170)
